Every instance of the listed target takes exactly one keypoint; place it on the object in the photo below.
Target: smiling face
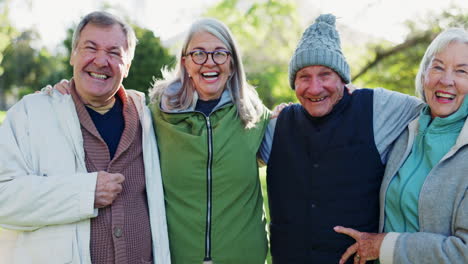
(446, 80)
(100, 63)
(209, 79)
(319, 89)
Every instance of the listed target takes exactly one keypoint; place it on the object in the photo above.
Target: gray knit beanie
(320, 45)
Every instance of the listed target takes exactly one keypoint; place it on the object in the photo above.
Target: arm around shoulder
(392, 111)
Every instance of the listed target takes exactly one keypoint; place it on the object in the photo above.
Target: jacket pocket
(52, 245)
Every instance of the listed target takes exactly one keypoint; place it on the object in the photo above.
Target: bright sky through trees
(380, 18)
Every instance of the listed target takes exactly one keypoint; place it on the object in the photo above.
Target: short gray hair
(441, 42)
(105, 19)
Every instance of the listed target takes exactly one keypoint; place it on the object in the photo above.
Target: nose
(101, 58)
(447, 79)
(209, 61)
(315, 86)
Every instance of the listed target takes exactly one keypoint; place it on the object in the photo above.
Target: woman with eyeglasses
(210, 123)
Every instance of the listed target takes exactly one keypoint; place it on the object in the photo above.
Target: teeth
(444, 95)
(99, 76)
(210, 74)
(317, 99)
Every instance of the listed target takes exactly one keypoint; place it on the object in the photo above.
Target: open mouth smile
(210, 76)
(98, 76)
(317, 99)
(443, 95)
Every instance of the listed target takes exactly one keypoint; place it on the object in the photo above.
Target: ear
(127, 69)
(72, 58)
(182, 61)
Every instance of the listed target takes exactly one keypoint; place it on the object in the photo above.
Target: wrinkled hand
(108, 186)
(367, 246)
(63, 86)
(276, 112)
(351, 88)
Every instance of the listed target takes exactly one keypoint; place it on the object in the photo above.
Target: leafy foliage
(150, 58)
(26, 67)
(7, 33)
(395, 66)
(267, 33)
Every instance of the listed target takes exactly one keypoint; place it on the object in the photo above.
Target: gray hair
(105, 19)
(441, 42)
(249, 105)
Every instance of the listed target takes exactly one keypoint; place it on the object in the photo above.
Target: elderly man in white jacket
(79, 174)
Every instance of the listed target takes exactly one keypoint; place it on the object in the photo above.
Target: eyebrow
(90, 42)
(95, 44)
(201, 48)
(458, 65)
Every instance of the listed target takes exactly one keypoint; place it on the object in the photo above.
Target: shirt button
(118, 232)
(313, 206)
(315, 165)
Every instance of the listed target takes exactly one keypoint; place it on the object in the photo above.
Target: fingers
(63, 86)
(367, 246)
(348, 253)
(117, 177)
(47, 90)
(347, 231)
(276, 112)
(351, 88)
(362, 260)
(108, 186)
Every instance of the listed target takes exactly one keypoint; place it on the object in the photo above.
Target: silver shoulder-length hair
(244, 96)
(441, 42)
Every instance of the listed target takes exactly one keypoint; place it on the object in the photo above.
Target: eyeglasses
(200, 56)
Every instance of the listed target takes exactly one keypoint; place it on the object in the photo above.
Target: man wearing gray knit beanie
(326, 156)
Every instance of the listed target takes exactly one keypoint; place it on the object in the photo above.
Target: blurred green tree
(267, 33)
(25, 67)
(150, 57)
(7, 34)
(395, 66)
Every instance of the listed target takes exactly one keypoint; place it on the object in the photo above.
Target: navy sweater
(110, 125)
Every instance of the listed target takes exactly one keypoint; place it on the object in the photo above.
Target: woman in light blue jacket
(424, 201)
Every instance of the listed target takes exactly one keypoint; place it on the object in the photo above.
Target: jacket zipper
(208, 191)
(207, 259)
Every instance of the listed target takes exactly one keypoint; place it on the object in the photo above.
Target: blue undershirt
(206, 107)
(110, 125)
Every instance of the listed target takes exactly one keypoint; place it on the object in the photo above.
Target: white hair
(440, 43)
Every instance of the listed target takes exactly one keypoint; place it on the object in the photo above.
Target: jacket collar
(226, 98)
(461, 141)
